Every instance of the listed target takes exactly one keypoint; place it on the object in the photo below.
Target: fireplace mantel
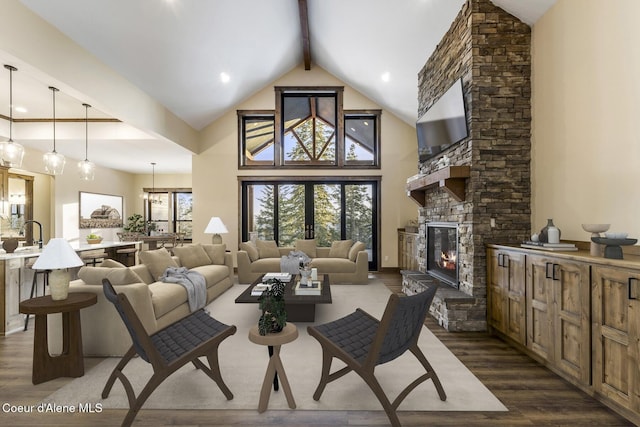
(450, 178)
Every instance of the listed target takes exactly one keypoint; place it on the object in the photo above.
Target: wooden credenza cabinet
(407, 250)
(558, 315)
(616, 335)
(506, 293)
(580, 316)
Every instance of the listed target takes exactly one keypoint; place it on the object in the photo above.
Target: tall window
(309, 129)
(320, 209)
(169, 210)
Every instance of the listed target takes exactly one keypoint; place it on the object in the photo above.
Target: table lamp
(57, 256)
(216, 227)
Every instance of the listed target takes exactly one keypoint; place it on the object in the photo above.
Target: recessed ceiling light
(224, 77)
(386, 76)
(366, 123)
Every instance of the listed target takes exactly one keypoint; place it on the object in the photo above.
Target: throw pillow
(357, 247)
(112, 263)
(117, 276)
(251, 250)
(157, 261)
(340, 248)
(307, 246)
(216, 253)
(192, 255)
(267, 249)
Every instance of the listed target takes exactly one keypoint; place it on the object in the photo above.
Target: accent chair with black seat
(362, 342)
(167, 350)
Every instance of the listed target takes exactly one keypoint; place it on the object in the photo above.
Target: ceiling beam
(304, 25)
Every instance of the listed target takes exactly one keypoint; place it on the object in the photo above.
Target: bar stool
(34, 285)
(93, 258)
(126, 256)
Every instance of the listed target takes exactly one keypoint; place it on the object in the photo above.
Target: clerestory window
(309, 129)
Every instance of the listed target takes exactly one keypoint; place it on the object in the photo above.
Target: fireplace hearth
(442, 252)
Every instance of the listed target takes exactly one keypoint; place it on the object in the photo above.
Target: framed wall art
(100, 210)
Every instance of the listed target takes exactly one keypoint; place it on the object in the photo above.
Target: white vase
(553, 234)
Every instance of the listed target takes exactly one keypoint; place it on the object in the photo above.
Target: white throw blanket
(192, 281)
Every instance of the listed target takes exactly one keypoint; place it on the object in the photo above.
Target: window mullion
(278, 153)
(340, 158)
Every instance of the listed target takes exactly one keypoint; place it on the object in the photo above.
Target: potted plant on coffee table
(274, 315)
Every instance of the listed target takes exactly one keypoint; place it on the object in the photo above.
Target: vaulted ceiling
(200, 58)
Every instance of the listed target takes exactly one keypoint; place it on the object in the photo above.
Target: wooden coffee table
(300, 308)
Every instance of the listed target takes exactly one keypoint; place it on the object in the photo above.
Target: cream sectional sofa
(344, 261)
(158, 304)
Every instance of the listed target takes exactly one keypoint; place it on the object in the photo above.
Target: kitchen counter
(34, 251)
(15, 278)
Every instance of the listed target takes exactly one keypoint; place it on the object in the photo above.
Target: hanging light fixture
(152, 197)
(11, 152)
(53, 161)
(86, 168)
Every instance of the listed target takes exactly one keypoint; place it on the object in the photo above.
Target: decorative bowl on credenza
(613, 247)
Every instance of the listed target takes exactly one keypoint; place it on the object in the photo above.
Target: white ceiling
(176, 50)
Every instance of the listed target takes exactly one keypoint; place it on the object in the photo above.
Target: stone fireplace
(489, 50)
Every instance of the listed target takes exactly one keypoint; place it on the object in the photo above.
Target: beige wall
(215, 170)
(586, 109)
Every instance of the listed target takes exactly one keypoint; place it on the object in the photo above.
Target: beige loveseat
(344, 261)
(158, 304)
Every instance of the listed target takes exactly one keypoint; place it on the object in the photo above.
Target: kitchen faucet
(39, 242)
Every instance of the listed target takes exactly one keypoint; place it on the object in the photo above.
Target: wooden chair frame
(163, 363)
(383, 348)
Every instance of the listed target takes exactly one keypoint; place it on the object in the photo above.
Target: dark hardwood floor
(534, 395)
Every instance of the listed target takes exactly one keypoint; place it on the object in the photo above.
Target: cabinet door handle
(505, 261)
(556, 268)
(631, 282)
(547, 274)
(499, 260)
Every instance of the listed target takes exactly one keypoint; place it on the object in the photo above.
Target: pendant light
(53, 161)
(86, 169)
(152, 196)
(11, 152)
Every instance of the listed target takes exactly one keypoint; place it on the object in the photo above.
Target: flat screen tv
(442, 125)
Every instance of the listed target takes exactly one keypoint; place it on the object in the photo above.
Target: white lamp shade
(215, 226)
(57, 254)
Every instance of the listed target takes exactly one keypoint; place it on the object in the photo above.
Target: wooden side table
(71, 362)
(275, 367)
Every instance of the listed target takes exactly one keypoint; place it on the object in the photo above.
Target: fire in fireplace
(442, 251)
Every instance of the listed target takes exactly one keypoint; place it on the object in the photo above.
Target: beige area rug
(243, 365)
